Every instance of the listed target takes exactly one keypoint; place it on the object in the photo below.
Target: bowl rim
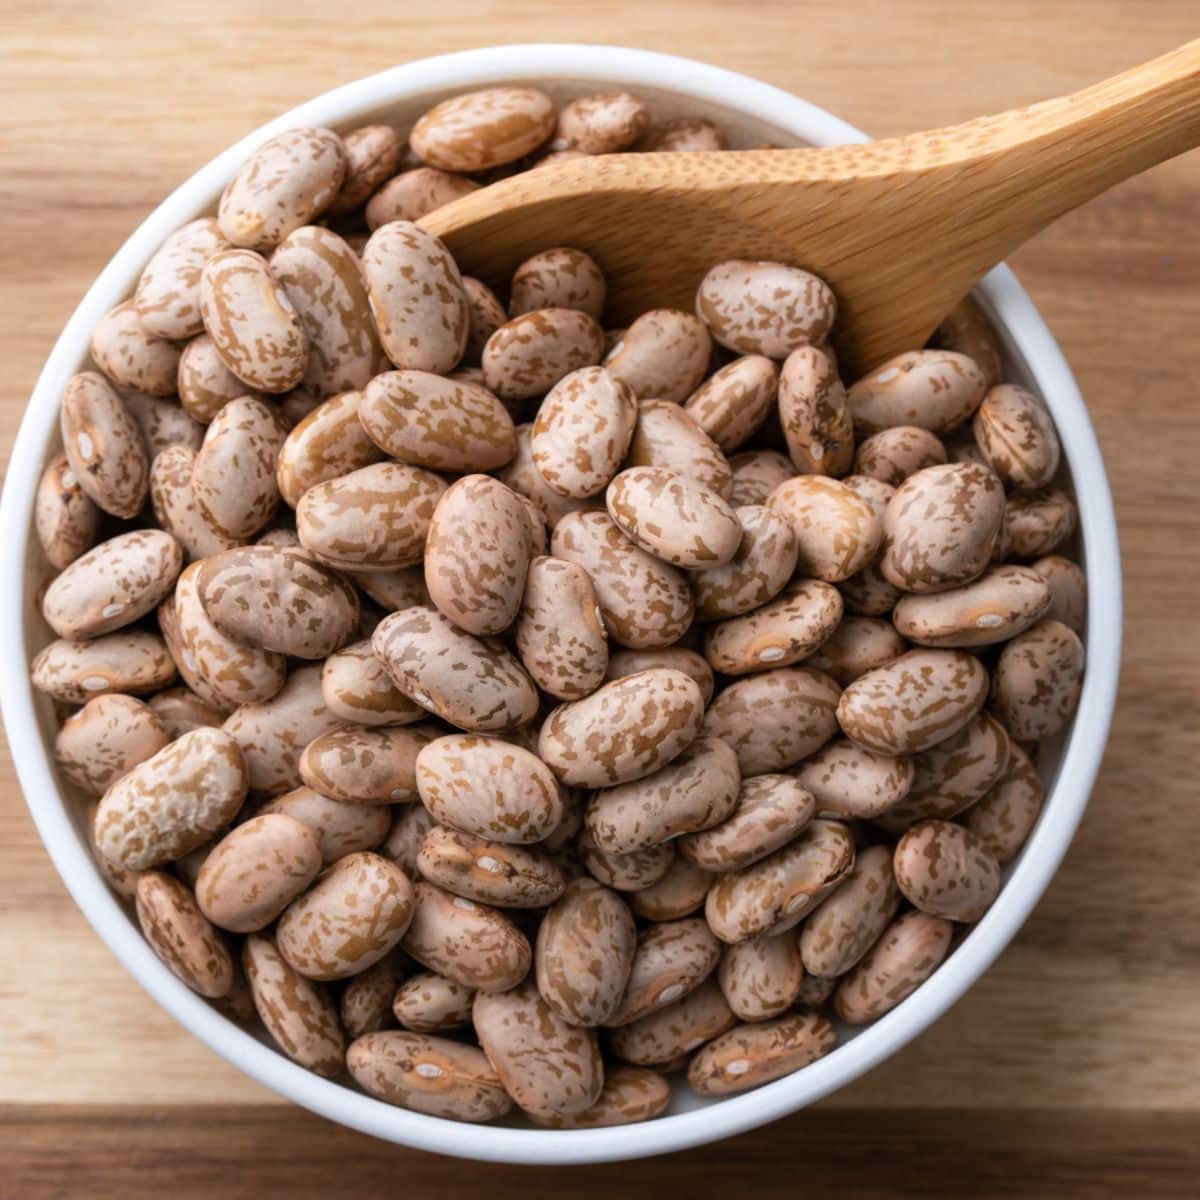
(1030, 340)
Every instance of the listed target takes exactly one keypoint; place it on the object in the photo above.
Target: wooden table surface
(1071, 1069)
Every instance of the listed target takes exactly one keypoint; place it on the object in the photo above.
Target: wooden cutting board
(1071, 1069)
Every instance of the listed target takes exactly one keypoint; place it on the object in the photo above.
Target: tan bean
(836, 531)
(172, 802)
(526, 480)
(644, 602)
(431, 1075)
(679, 893)
(358, 764)
(489, 788)
(764, 562)
(340, 828)
(760, 978)
(585, 950)
(781, 632)
(1037, 681)
(1068, 590)
(629, 872)
(875, 492)
(366, 1001)
(672, 959)
(256, 870)
(1004, 818)
(602, 123)
(131, 356)
(475, 685)
(549, 1067)
(129, 661)
(815, 413)
(663, 355)
(65, 516)
(432, 422)
(531, 353)
(105, 740)
(413, 194)
(750, 1055)
(777, 892)
(697, 790)
(181, 937)
(374, 519)
(251, 321)
(944, 869)
(932, 389)
(673, 658)
(893, 454)
(416, 296)
(630, 1095)
(355, 914)
(168, 292)
(175, 507)
(1017, 437)
(430, 1003)
(357, 688)
(858, 645)
(103, 445)
(869, 593)
(684, 135)
(851, 921)
(1037, 523)
(850, 782)
(673, 517)
(559, 278)
(113, 585)
(476, 131)
(676, 1029)
(273, 733)
(284, 184)
(765, 307)
(328, 443)
(755, 474)
(393, 590)
(624, 731)
(473, 944)
(298, 1013)
(909, 951)
(205, 383)
(372, 157)
(485, 315)
(491, 872)
(773, 719)
(966, 331)
(732, 405)
(666, 436)
(180, 710)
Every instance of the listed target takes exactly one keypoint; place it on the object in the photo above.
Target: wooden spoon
(901, 229)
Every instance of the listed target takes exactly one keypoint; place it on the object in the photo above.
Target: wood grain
(1086, 1033)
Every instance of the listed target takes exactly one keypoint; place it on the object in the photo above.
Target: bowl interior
(751, 114)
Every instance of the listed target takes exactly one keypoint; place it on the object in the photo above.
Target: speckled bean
(750, 1055)
(105, 740)
(103, 445)
(179, 934)
(531, 353)
(944, 870)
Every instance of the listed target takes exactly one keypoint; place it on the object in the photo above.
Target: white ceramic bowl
(752, 112)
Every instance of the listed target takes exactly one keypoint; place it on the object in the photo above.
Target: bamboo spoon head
(655, 223)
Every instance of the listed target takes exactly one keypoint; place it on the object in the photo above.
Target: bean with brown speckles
(364, 765)
(340, 828)
(105, 740)
(205, 383)
(966, 330)
(175, 507)
(431, 1003)
(256, 870)
(489, 788)
(892, 455)
(1017, 437)
(603, 123)
(663, 355)
(103, 446)
(355, 914)
(773, 719)
(1004, 818)
(624, 731)
(765, 307)
(629, 872)
(673, 658)
(1037, 523)
(1038, 680)
(416, 297)
(531, 353)
(372, 156)
(133, 357)
(848, 923)
(298, 1013)
(473, 944)
(814, 413)
(366, 1002)
(525, 479)
(479, 130)
(755, 474)
(666, 436)
(920, 699)
(173, 802)
(65, 516)
(179, 934)
(630, 1094)
(777, 892)
(672, 959)
(944, 870)
(181, 710)
(932, 389)
(74, 672)
(679, 893)
(490, 872)
(585, 950)
(836, 531)
(853, 783)
(732, 405)
(858, 645)
(413, 194)
(357, 688)
(644, 602)
(675, 1029)
(761, 977)
(1068, 590)
(559, 278)
(750, 1055)
(168, 292)
(764, 562)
